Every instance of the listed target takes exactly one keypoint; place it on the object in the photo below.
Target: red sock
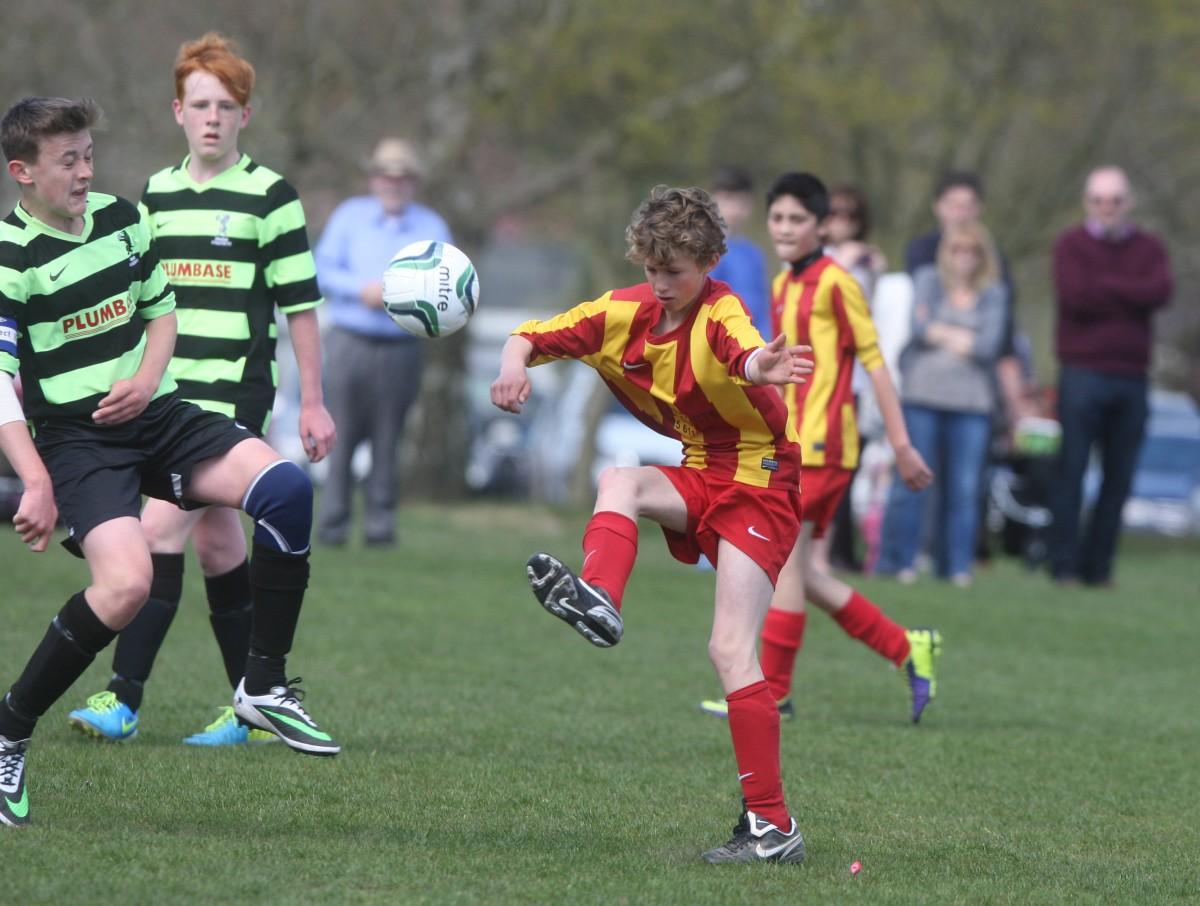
(782, 636)
(609, 549)
(754, 726)
(864, 621)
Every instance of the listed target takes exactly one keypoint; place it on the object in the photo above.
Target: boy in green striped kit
(88, 319)
(232, 238)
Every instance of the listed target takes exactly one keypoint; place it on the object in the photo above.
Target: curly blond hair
(673, 221)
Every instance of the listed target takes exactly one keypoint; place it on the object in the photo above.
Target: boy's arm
(913, 470)
(777, 363)
(317, 430)
(511, 388)
(36, 515)
(129, 398)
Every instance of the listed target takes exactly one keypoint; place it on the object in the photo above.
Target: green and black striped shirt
(72, 308)
(234, 248)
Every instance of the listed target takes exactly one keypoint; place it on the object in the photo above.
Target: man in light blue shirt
(373, 368)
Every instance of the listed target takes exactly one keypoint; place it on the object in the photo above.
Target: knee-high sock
(277, 584)
(862, 620)
(754, 726)
(782, 638)
(71, 643)
(609, 549)
(231, 613)
(139, 642)
(280, 503)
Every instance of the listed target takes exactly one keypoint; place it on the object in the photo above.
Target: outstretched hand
(778, 363)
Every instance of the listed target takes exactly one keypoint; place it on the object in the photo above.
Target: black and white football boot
(756, 840)
(585, 607)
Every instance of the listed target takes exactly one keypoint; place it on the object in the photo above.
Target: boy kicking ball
(680, 353)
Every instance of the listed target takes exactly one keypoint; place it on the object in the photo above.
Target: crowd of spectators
(965, 372)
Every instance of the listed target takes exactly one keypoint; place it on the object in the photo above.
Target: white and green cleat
(280, 712)
(14, 796)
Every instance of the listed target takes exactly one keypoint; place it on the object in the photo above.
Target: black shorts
(100, 472)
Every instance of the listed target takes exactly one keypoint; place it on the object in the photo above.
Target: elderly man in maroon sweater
(1110, 277)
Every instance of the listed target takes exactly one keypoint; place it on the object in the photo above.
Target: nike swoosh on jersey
(629, 366)
(54, 277)
(757, 534)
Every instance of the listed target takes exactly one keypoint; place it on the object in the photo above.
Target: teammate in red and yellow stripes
(816, 302)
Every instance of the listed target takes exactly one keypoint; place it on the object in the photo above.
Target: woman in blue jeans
(948, 390)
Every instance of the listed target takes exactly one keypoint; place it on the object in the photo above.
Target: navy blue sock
(277, 584)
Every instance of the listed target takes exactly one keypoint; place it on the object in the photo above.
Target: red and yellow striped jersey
(687, 383)
(823, 307)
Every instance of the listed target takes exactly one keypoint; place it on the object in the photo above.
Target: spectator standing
(374, 368)
(1109, 278)
(743, 266)
(846, 233)
(949, 393)
(957, 200)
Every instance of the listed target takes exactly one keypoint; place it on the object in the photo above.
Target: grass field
(492, 756)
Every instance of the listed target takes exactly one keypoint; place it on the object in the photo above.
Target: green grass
(492, 756)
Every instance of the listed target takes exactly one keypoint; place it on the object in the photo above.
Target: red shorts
(822, 489)
(762, 523)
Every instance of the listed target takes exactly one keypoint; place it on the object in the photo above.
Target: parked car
(1165, 498)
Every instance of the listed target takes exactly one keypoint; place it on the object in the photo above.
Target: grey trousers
(370, 385)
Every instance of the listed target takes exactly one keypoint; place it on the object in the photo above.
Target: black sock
(230, 613)
(277, 583)
(71, 643)
(139, 642)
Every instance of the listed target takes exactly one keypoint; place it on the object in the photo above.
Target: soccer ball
(430, 288)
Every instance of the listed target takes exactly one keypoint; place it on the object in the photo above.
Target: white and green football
(430, 288)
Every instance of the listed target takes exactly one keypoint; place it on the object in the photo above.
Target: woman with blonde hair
(948, 393)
